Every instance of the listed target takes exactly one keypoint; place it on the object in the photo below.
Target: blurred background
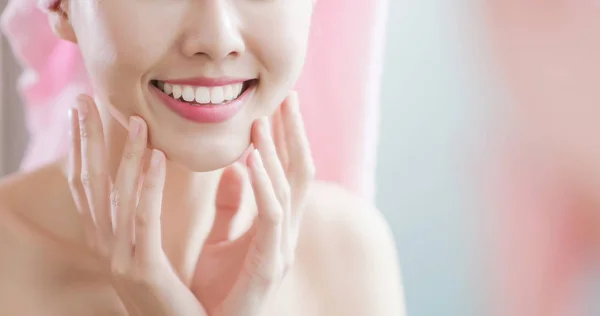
(429, 115)
(439, 91)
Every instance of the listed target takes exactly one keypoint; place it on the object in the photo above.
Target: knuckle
(274, 216)
(84, 134)
(256, 270)
(85, 178)
(115, 199)
(148, 184)
(284, 193)
(132, 153)
(119, 270)
(141, 219)
(140, 277)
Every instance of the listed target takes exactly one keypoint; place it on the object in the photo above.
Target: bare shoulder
(348, 246)
(19, 251)
(33, 212)
(38, 199)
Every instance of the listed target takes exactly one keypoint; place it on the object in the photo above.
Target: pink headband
(343, 134)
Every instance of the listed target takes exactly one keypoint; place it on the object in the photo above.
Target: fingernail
(134, 128)
(156, 158)
(82, 107)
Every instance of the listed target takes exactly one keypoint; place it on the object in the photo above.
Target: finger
(75, 185)
(148, 242)
(262, 266)
(228, 202)
(261, 137)
(301, 170)
(265, 145)
(94, 169)
(268, 235)
(124, 194)
(279, 137)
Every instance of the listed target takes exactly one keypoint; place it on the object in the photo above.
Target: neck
(188, 202)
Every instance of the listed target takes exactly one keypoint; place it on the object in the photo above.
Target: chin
(205, 159)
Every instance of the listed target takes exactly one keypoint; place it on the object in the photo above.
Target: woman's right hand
(125, 231)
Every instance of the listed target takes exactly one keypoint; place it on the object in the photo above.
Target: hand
(118, 227)
(236, 277)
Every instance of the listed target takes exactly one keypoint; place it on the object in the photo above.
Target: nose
(213, 31)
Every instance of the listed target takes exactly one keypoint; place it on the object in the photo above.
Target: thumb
(228, 202)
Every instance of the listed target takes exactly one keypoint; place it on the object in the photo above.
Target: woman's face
(144, 54)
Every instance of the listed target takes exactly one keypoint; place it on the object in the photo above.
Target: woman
(151, 215)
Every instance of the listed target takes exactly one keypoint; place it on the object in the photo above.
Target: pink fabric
(339, 89)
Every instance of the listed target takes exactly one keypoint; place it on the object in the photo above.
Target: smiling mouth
(204, 96)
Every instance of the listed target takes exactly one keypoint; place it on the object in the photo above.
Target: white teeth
(216, 95)
(188, 94)
(203, 95)
(167, 88)
(228, 93)
(177, 92)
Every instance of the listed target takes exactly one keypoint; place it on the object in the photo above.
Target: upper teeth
(202, 95)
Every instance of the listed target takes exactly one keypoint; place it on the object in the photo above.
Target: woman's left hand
(236, 277)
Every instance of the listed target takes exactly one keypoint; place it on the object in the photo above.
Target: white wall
(428, 114)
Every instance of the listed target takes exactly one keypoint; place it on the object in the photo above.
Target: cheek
(279, 42)
(115, 46)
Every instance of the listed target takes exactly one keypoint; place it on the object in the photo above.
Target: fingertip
(137, 120)
(291, 103)
(157, 159)
(235, 170)
(294, 95)
(84, 103)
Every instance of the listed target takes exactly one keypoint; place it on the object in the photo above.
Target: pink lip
(207, 82)
(204, 113)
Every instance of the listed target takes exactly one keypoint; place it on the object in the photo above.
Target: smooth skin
(123, 224)
(200, 231)
(346, 261)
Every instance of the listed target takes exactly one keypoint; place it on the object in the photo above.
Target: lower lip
(205, 113)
